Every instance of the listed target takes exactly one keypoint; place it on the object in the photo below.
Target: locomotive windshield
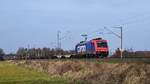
(102, 44)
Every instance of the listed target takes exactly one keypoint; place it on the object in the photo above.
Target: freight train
(97, 47)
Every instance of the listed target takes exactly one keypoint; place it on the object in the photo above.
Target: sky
(36, 22)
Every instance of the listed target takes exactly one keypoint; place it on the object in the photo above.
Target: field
(13, 74)
(74, 72)
(92, 72)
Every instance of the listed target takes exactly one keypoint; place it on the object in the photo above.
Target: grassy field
(12, 74)
(74, 72)
(97, 72)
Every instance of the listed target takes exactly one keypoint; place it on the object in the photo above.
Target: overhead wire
(133, 20)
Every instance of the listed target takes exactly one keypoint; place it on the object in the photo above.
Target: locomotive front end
(101, 48)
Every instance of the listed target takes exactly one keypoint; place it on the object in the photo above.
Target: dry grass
(93, 72)
(12, 74)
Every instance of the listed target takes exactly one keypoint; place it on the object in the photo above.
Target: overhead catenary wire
(120, 26)
(128, 21)
(133, 20)
(112, 32)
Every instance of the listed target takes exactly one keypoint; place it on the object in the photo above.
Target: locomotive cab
(101, 47)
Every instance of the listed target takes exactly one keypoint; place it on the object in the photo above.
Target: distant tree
(1, 54)
(117, 53)
(21, 53)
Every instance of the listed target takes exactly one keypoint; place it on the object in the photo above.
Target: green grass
(12, 74)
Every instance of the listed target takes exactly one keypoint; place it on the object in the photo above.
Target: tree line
(130, 53)
(40, 53)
